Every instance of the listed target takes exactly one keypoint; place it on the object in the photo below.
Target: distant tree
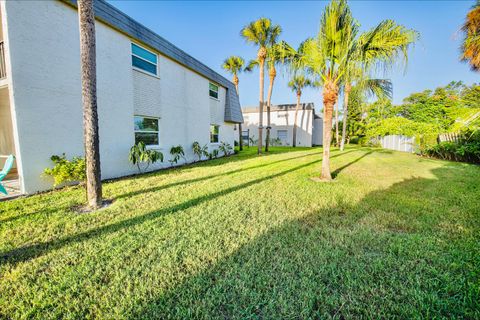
(260, 33)
(297, 84)
(470, 50)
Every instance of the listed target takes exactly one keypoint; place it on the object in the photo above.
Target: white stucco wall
(283, 120)
(317, 133)
(43, 43)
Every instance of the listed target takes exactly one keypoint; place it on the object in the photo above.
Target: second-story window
(213, 91)
(144, 60)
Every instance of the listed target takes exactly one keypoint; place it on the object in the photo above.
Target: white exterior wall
(283, 120)
(45, 92)
(317, 139)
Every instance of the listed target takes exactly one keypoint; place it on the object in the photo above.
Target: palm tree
(275, 54)
(337, 44)
(234, 65)
(297, 84)
(471, 44)
(86, 20)
(259, 33)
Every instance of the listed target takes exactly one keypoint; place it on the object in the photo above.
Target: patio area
(12, 184)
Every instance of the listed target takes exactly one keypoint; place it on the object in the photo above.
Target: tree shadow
(32, 251)
(396, 253)
(231, 172)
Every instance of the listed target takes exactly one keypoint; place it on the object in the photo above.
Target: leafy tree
(470, 50)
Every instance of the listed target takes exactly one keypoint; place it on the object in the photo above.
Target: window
(214, 133)
(144, 59)
(146, 130)
(282, 134)
(213, 91)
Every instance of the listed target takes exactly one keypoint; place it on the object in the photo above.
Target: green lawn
(253, 238)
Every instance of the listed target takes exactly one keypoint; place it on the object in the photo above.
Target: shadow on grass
(385, 257)
(185, 182)
(29, 252)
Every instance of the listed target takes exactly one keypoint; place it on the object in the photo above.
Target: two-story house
(148, 90)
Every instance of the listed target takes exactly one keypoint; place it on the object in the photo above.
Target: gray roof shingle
(118, 20)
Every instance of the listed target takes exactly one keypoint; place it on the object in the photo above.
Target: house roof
(282, 107)
(118, 20)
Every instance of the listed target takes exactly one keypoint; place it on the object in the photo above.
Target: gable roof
(118, 20)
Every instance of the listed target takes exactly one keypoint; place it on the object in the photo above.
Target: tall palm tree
(86, 20)
(336, 45)
(234, 65)
(297, 84)
(471, 44)
(337, 139)
(275, 55)
(259, 33)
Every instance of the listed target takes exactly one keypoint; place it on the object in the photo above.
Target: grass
(253, 238)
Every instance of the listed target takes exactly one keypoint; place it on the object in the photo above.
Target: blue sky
(209, 31)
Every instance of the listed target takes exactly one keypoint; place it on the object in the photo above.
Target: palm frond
(233, 65)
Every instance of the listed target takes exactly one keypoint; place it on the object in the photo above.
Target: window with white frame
(214, 132)
(146, 130)
(282, 134)
(144, 59)
(213, 92)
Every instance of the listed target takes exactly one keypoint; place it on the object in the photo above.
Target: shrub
(213, 154)
(200, 151)
(65, 170)
(466, 149)
(177, 153)
(140, 154)
(225, 148)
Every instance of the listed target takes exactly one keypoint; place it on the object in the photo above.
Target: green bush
(200, 151)
(140, 154)
(177, 152)
(213, 154)
(467, 149)
(65, 171)
(225, 148)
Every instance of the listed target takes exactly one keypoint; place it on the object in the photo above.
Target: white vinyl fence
(398, 143)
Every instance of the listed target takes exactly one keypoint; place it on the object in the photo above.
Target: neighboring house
(282, 117)
(148, 90)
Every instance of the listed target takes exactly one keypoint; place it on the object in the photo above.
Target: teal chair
(6, 169)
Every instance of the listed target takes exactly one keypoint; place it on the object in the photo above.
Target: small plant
(213, 154)
(200, 151)
(225, 148)
(177, 153)
(65, 170)
(140, 154)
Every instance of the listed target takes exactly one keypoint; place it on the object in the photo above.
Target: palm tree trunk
(294, 142)
(261, 95)
(272, 74)
(345, 115)
(89, 99)
(336, 126)
(330, 96)
(240, 138)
